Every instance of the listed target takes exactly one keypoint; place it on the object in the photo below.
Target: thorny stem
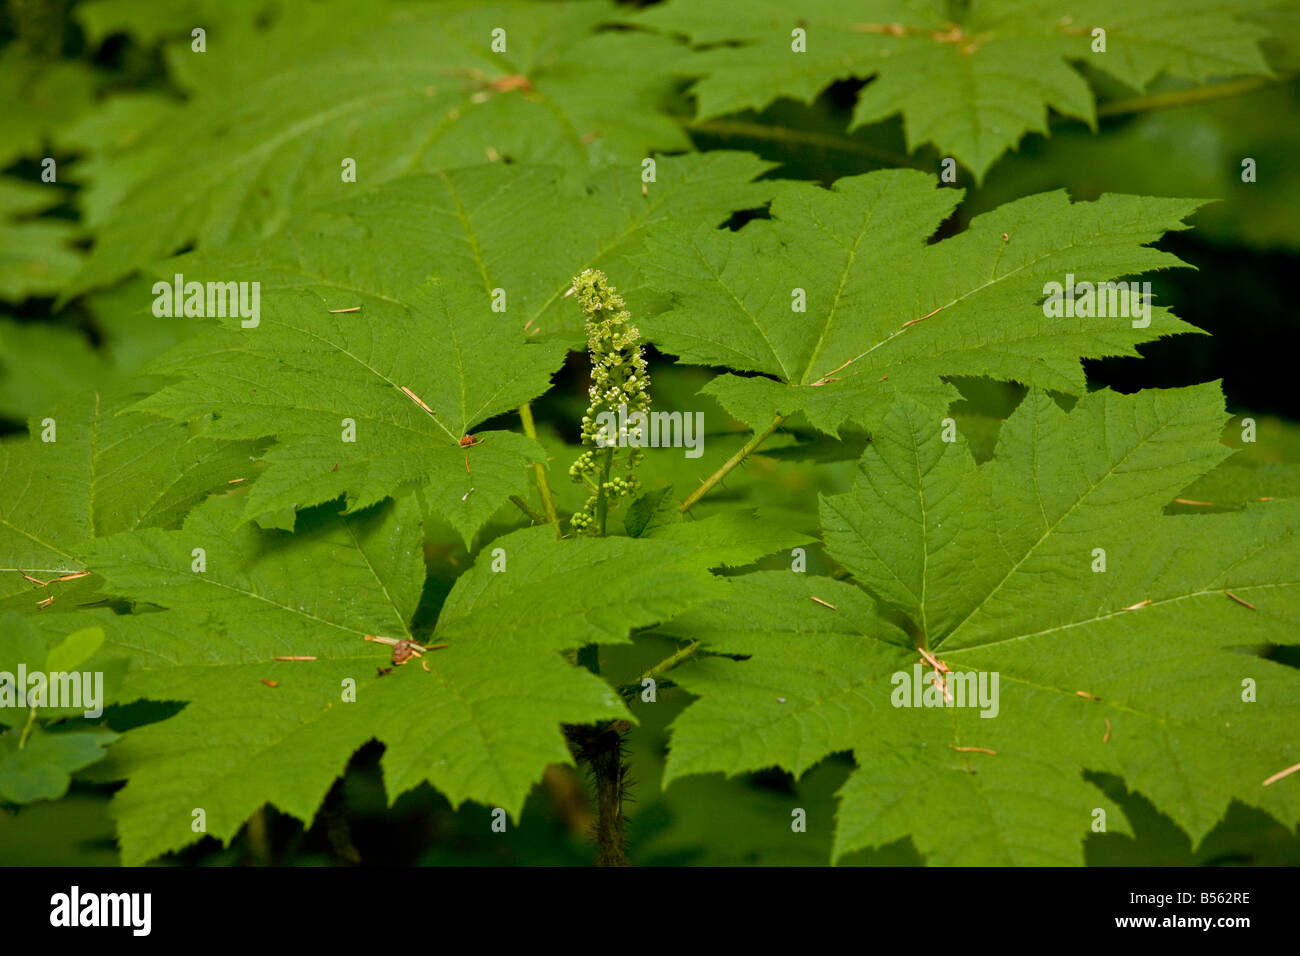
(729, 464)
(539, 471)
(602, 749)
(609, 770)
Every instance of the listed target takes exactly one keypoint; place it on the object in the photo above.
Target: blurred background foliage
(85, 82)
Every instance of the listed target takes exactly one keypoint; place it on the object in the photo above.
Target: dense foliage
(324, 324)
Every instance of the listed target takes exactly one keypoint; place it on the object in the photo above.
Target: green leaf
(461, 344)
(75, 649)
(885, 311)
(41, 769)
(103, 472)
(1137, 670)
(973, 87)
(398, 90)
(481, 724)
(494, 226)
(363, 435)
(36, 256)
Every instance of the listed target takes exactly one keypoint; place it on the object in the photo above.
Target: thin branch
(729, 464)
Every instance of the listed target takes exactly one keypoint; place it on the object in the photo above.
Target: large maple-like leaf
(480, 724)
(364, 402)
(839, 302)
(393, 88)
(1119, 634)
(462, 344)
(101, 471)
(972, 81)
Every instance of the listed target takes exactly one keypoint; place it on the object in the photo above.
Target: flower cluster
(618, 389)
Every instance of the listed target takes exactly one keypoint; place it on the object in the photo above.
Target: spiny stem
(729, 464)
(609, 770)
(539, 471)
(601, 748)
(1197, 94)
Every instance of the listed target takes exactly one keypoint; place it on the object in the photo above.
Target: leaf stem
(724, 128)
(1196, 94)
(539, 471)
(527, 510)
(31, 719)
(667, 664)
(729, 464)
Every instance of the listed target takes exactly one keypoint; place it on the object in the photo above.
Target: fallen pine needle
(1106, 739)
(355, 308)
(1189, 501)
(270, 683)
(417, 399)
(1282, 773)
(922, 318)
(934, 661)
(295, 658)
(1239, 600)
(974, 750)
(821, 602)
(70, 577)
(235, 481)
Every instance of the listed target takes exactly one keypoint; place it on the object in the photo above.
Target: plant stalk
(729, 464)
(602, 497)
(539, 471)
(1197, 94)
